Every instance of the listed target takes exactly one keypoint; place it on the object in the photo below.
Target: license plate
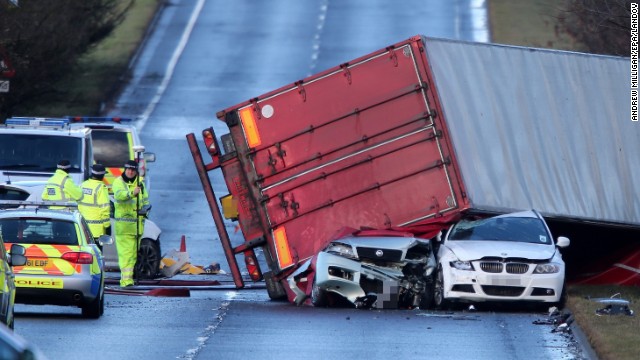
(37, 263)
(505, 281)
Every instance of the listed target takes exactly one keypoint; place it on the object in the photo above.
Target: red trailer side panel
(359, 145)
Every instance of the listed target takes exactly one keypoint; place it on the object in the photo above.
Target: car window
(110, 148)
(520, 229)
(87, 232)
(38, 231)
(12, 194)
(31, 152)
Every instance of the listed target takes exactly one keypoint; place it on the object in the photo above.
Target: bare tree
(604, 26)
(44, 40)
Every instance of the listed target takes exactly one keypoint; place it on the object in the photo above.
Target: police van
(30, 149)
(115, 140)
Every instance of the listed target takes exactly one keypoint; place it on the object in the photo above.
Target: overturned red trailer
(420, 132)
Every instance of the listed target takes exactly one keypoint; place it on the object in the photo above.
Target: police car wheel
(148, 264)
(94, 309)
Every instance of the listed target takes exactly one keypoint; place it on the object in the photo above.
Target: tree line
(42, 40)
(603, 26)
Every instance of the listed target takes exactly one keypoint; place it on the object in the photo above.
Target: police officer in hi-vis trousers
(60, 186)
(130, 196)
(95, 205)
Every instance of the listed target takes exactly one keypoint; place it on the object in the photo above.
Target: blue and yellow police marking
(42, 283)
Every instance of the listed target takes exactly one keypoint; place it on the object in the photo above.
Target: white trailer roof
(543, 129)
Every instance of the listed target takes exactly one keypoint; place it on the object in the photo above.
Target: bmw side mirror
(562, 242)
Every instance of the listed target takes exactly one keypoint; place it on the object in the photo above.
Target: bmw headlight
(548, 268)
(341, 250)
(461, 265)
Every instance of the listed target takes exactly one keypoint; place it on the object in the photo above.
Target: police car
(14, 346)
(149, 252)
(64, 265)
(115, 141)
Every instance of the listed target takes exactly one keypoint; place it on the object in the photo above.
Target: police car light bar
(18, 203)
(97, 119)
(36, 122)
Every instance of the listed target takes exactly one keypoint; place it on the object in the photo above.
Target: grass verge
(611, 336)
(532, 23)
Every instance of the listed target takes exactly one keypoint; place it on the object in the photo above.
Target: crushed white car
(380, 269)
(505, 258)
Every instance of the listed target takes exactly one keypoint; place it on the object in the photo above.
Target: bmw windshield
(519, 229)
(39, 153)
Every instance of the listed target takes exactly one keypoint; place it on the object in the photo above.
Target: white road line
(208, 333)
(171, 65)
(480, 19)
(316, 38)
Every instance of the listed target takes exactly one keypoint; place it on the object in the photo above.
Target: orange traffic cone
(183, 245)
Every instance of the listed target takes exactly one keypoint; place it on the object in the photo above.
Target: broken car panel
(368, 269)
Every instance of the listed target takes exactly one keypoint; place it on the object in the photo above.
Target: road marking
(208, 332)
(479, 19)
(171, 65)
(316, 38)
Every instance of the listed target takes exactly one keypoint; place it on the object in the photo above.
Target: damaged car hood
(399, 243)
(467, 250)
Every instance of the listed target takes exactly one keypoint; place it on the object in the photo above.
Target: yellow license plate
(37, 263)
(44, 283)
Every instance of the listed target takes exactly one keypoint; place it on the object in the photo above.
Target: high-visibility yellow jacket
(60, 187)
(127, 205)
(95, 206)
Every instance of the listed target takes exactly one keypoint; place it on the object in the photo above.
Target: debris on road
(561, 320)
(177, 262)
(614, 306)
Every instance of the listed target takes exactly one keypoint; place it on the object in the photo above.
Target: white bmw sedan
(510, 257)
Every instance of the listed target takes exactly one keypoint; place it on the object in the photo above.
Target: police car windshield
(110, 148)
(39, 153)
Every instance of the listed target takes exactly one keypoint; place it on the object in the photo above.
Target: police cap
(98, 169)
(131, 164)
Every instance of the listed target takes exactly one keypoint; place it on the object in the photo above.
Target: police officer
(60, 186)
(130, 196)
(95, 205)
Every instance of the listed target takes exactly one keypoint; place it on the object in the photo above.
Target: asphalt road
(202, 57)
